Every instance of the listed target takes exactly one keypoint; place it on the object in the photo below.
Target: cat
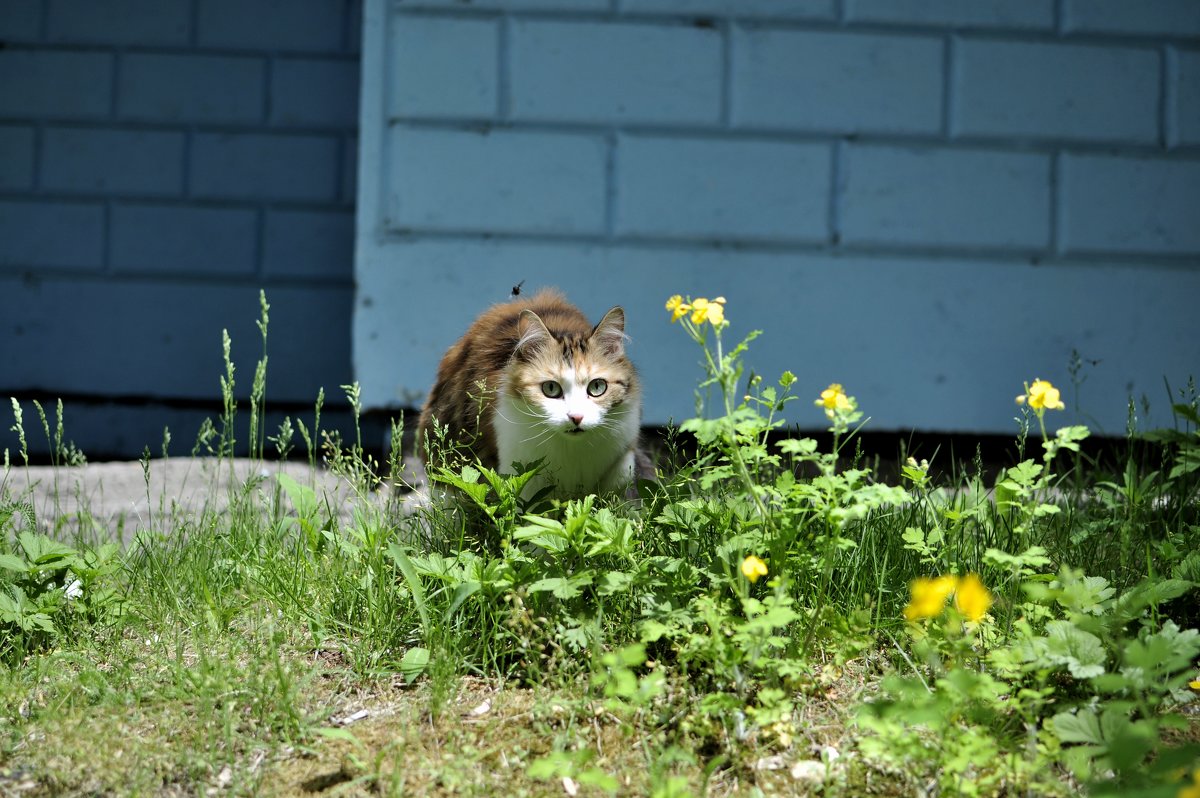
(532, 379)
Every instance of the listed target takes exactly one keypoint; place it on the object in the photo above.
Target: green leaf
(467, 481)
(800, 446)
(1022, 475)
(614, 582)
(1150, 592)
(1078, 727)
(1025, 562)
(463, 592)
(13, 563)
(1187, 412)
(1082, 652)
(43, 551)
(334, 733)
(563, 587)
(1086, 594)
(415, 588)
(413, 663)
(303, 498)
(595, 777)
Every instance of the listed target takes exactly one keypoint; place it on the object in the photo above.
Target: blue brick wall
(927, 200)
(160, 161)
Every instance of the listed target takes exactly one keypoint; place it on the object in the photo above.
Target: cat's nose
(577, 418)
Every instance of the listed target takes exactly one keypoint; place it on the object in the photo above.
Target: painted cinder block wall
(929, 201)
(160, 162)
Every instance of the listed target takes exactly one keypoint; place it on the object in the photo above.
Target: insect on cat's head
(571, 381)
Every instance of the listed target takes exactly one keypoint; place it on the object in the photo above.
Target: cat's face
(572, 384)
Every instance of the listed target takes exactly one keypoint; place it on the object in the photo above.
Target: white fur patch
(597, 459)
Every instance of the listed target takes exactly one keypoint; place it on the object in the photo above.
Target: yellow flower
(929, 596)
(971, 598)
(834, 400)
(1042, 396)
(753, 568)
(1194, 684)
(1191, 790)
(677, 307)
(713, 312)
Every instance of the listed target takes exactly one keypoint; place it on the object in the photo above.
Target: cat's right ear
(609, 334)
(531, 332)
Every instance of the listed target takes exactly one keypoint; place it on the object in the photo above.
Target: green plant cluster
(768, 604)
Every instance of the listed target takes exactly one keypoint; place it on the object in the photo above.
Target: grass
(291, 644)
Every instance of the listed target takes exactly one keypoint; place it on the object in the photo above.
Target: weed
(770, 617)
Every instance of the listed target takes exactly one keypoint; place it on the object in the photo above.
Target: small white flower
(74, 590)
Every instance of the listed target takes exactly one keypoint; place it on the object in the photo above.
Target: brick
(502, 181)
(308, 92)
(442, 67)
(1006, 88)
(112, 161)
(299, 25)
(191, 88)
(567, 71)
(349, 182)
(354, 27)
(1187, 97)
(508, 5)
(1125, 205)
(55, 84)
(1161, 17)
(155, 338)
(1034, 14)
(20, 20)
(792, 9)
(16, 157)
(722, 189)
(260, 166)
(316, 244)
(844, 82)
(183, 240)
(54, 234)
(140, 22)
(931, 197)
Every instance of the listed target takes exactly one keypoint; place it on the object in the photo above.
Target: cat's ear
(609, 334)
(531, 332)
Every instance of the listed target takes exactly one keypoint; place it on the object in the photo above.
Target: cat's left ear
(609, 334)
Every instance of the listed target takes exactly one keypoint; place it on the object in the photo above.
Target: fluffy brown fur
(491, 393)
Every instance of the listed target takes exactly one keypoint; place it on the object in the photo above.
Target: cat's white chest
(595, 461)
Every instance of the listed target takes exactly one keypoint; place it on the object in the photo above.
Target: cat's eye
(552, 389)
(597, 387)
